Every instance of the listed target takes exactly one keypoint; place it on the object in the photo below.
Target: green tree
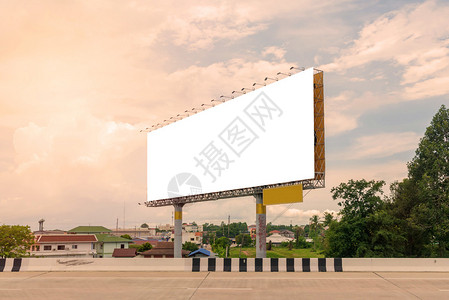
(405, 204)
(189, 246)
(144, 225)
(243, 239)
(15, 240)
(144, 247)
(220, 246)
(360, 198)
(314, 231)
(429, 172)
(366, 229)
(328, 218)
(126, 236)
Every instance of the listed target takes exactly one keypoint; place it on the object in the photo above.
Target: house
(89, 230)
(200, 253)
(287, 233)
(166, 227)
(107, 243)
(274, 231)
(140, 242)
(252, 231)
(190, 227)
(64, 245)
(129, 252)
(163, 250)
(193, 237)
(135, 232)
(276, 238)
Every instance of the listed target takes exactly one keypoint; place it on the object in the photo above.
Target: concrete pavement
(208, 285)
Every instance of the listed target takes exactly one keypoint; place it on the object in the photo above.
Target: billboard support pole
(177, 253)
(261, 227)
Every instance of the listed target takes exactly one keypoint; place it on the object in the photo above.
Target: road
(205, 285)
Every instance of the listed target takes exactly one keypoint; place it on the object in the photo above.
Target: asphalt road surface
(229, 286)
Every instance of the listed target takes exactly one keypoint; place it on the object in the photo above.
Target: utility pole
(229, 219)
(227, 248)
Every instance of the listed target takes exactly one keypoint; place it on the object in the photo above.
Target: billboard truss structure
(317, 182)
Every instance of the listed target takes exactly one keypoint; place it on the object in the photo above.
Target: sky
(80, 79)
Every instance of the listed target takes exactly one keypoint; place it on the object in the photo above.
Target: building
(64, 245)
(252, 231)
(129, 252)
(193, 237)
(89, 230)
(200, 253)
(166, 227)
(135, 232)
(107, 243)
(287, 233)
(163, 250)
(274, 231)
(277, 239)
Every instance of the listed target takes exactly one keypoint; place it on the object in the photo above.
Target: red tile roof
(165, 245)
(162, 251)
(67, 238)
(163, 248)
(130, 252)
(141, 242)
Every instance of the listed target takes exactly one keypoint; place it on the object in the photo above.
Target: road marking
(225, 288)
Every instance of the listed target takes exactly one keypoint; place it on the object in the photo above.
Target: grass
(276, 252)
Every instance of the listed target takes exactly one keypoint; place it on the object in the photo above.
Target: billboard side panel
(320, 164)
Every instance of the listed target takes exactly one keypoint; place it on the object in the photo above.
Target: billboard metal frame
(317, 182)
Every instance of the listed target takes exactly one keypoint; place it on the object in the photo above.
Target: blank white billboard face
(260, 138)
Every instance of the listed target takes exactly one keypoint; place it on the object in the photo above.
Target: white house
(193, 237)
(276, 238)
(64, 245)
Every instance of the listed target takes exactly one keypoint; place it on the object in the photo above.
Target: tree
(189, 246)
(145, 247)
(405, 204)
(360, 197)
(315, 228)
(429, 172)
(15, 240)
(328, 218)
(366, 229)
(220, 246)
(126, 236)
(144, 225)
(243, 239)
(290, 245)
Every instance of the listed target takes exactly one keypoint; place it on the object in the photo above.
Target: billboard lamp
(268, 78)
(261, 84)
(286, 74)
(251, 89)
(223, 96)
(300, 69)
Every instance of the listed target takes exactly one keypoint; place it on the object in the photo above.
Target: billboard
(260, 138)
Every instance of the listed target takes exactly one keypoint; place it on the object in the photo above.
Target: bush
(301, 243)
(189, 246)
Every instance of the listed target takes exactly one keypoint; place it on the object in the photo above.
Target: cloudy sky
(79, 79)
